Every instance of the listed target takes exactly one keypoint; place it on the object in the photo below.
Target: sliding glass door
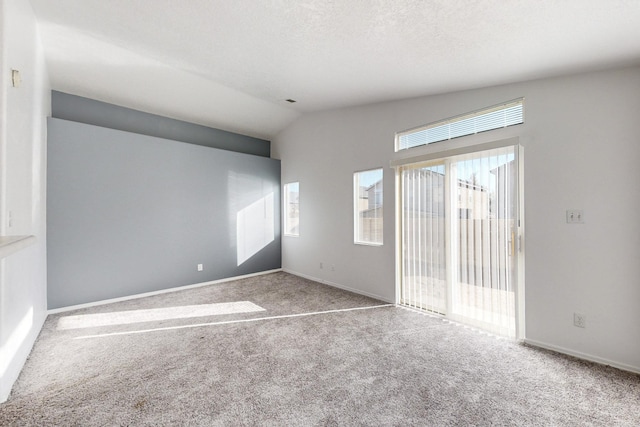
(459, 245)
(424, 279)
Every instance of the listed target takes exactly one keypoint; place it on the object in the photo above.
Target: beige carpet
(281, 350)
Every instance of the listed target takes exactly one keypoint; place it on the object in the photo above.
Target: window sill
(12, 244)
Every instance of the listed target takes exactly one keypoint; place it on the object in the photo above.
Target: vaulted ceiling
(232, 64)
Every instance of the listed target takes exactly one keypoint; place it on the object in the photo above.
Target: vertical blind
(466, 208)
(423, 239)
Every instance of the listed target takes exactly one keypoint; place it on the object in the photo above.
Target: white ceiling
(232, 63)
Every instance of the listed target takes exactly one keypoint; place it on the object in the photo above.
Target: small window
(292, 209)
(367, 196)
(496, 117)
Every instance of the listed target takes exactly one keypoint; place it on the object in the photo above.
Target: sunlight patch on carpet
(156, 314)
(256, 319)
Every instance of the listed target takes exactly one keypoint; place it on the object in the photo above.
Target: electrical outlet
(575, 216)
(333, 267)
(579, 320)
(321, 266)
(200, 267)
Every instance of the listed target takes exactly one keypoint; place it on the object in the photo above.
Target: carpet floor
(279, 350)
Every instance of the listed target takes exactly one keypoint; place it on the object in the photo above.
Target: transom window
(490, 118)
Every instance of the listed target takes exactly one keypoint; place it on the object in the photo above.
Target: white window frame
(521, 237)
(510, 113)
(285, 218)
(357, 239)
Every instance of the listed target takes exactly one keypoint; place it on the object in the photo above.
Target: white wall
(581, 137)
(23, 112)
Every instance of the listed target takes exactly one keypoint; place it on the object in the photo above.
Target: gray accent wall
(130, 213)
(85, 110)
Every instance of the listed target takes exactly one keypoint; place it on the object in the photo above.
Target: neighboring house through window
(367, 190)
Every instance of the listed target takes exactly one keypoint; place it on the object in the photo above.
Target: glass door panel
(485, 230)
(423, 239)
(459, 238)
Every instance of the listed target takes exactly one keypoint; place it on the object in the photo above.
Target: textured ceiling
(232, 64)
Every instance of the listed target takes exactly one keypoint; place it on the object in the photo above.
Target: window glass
(490, 118)
(292, 209)
(367, 189)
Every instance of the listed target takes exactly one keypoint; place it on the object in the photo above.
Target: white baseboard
(338, 285)
(583, 356)
(162, 291)
(558, 349)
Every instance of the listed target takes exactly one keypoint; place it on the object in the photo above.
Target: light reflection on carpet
(156, 314)
(227, 322)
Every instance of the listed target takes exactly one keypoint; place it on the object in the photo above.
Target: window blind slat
(491, 118)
